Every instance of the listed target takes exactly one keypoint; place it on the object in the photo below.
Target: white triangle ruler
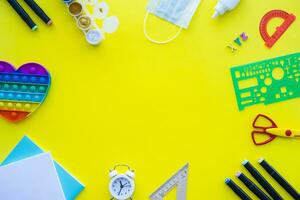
(178, 180)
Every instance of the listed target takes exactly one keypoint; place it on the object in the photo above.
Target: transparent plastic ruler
(178, 180)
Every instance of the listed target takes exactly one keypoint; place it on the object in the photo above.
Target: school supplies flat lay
(287, 18)
(87, 21)
(268, 81)
(30, 173)
(178, 181)
(262, 181)
(22, 90)
(34, 178)
(27, 148)
(263, 125)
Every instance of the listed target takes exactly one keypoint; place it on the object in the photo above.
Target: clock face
(121, 187)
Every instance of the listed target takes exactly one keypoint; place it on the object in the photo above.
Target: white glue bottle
(225, 5)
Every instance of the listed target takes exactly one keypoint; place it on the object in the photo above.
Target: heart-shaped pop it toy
(23, 90)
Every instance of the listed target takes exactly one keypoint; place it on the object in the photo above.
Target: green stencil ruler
(267, 81)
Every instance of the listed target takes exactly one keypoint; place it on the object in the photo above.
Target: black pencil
(262, 181)
(39, 11)
(23, 14)
(279, 179)
(236, 189)
(254, 188)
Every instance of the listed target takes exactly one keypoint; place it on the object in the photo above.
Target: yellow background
(154, 107)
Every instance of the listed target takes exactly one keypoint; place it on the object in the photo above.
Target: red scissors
(271, 130)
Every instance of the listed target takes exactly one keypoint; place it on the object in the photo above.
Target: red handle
(271, 138)
(263, 129)
(255, 124)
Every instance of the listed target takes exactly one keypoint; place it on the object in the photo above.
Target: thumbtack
(244, 36)
(233, 48)
(237, 41)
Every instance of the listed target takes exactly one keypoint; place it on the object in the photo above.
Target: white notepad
(34, 178)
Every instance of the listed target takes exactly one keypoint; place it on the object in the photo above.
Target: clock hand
(126, 186)
(121, 185)
(120, 191)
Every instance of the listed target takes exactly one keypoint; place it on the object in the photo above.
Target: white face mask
(178, 12)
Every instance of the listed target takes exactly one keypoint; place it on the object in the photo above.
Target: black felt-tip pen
(37, 9)
(23, 14)
(258, 192)
(261, 180)
(236, 189)
(279, 179)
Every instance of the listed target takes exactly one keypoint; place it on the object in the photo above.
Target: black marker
(23, 14)
(262, 181)
(35, 7)
(258, 192)
(279, 179)
(237, 190)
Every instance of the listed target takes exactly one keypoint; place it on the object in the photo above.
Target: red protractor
(270, 40)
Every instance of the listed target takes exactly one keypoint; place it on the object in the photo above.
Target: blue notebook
(27, 148)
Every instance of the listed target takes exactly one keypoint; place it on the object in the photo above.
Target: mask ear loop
(156, 41)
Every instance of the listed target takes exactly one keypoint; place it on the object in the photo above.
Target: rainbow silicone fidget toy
(267, 81)
(23, 90)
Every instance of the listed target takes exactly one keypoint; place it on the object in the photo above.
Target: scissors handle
(271, 137)
(265, 118)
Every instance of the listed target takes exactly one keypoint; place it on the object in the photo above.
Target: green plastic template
(267, 81)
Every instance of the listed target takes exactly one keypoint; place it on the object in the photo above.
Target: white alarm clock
(121, 186)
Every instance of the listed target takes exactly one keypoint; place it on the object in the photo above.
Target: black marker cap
(261, 180)
(236, 189)
(279, 179)
(252, 186)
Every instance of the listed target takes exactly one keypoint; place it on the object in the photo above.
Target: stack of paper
(30, 174)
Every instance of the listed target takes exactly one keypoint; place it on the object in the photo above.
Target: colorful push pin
(237, 41)
(244, 36)
(232, 47)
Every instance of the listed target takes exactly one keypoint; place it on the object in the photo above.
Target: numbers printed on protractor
(178, 180)
(267, 81)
